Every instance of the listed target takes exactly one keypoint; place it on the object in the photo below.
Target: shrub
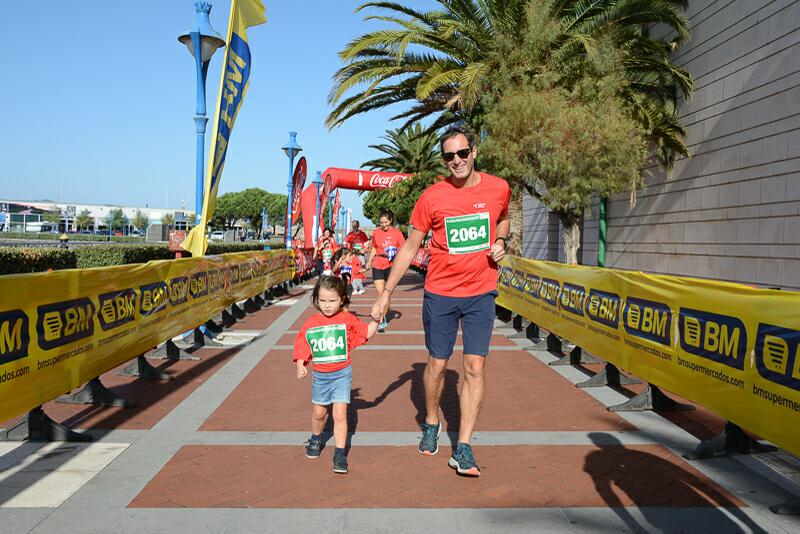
(108, 255)
(17, 260)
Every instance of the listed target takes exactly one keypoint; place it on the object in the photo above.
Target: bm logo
(778, 355)
(647, 319)
(549, 291)
(117, 308)
(532, 285)
(233, 275)
(14, 336)
(64, 322)
(178, 290)
(719, 338)
(216, 280)
(154, 298)
(603, 308)
(505, 276)
(198, 285)
(573, 298)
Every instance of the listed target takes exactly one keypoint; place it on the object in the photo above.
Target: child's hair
(333, 283)
(338, 254)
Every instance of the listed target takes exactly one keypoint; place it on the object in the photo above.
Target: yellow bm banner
(731, 348)
(59, 330)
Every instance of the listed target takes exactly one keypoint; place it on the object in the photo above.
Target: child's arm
(372, 328)
(301, 369)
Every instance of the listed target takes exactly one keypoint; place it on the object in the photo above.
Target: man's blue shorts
(441, 315)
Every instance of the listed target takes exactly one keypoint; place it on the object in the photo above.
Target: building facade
(30, 216)
(732, 211)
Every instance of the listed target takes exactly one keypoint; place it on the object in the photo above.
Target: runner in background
(386, 241)
(355, 240)
(324, 249)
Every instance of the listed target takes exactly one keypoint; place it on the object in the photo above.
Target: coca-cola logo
(380, 181)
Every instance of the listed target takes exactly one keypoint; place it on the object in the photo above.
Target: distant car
(217, 235)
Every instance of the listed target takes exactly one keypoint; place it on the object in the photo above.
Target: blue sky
(99, 97)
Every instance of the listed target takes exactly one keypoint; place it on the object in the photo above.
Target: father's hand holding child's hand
(301, 370)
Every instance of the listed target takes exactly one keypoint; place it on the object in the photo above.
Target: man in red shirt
(467, 214)
(355, 240)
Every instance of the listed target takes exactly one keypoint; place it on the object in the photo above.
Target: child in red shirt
(326, 339)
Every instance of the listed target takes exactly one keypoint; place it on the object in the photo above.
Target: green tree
(118, 219)
(413, 151)
(248, 204)
(445, 64)
(140, 220)
(168, 219)
(83, 220)
(52, 216)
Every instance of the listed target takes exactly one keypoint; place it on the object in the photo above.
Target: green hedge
(16, 260)
(48, 236)
(108, 255)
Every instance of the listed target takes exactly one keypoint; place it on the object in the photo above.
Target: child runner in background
(357, 275)
(327, 339)
(341, 267)
(386, 241)
(326, 252)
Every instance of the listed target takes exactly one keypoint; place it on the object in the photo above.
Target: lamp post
(202, 41)
(331, 197)
(291, 148)
(318, 184)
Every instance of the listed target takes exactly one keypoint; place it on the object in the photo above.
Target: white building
(24, 215)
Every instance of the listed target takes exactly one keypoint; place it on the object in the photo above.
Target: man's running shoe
(382, 326)
(339, 463)
(429, 444)
(463, 461)
(313, 447)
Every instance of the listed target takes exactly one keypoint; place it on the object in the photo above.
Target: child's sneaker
(314, 447)
(382, 326)
(463, 461)
(340, 464)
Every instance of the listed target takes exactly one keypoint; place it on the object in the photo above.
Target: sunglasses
(463, 154)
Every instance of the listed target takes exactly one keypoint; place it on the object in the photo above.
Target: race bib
(357, 247)
(390, 252)
(328, 343)
(326, 254)
(467, 233)
(346, 269)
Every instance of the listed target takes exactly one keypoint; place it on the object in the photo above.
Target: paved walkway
(220, 449)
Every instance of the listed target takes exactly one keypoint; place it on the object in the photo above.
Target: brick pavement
(225, 440)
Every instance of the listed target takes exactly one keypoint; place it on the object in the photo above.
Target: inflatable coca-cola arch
(334, 178)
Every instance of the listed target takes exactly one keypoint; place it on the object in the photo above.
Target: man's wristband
(505, 241)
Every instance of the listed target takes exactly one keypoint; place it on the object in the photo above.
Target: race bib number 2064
(328, 343)
(467, 233)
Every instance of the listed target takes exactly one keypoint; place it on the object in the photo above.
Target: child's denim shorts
(327, 388)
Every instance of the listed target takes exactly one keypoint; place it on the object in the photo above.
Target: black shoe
(340, 463)
(314, 447)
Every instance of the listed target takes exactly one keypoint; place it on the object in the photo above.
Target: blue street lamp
(291, 148)
(331, 198)
(318, 183)
(202, 41)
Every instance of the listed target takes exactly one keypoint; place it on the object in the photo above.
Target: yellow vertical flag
(232, 88)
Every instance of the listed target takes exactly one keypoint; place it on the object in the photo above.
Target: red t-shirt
(386, 246)
(324, 339)
(464, 224)
(356, 238)
(357, 273)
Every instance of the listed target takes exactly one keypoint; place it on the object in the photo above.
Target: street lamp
(331, 197)
(318, 184)
(291, 148)
(202, 41)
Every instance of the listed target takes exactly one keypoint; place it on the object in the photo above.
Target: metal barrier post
(94, 392)
(37, 426)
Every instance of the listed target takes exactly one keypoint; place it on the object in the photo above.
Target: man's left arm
(502, 231)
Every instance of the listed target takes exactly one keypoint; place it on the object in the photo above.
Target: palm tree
(444, 64)
(412, 150)
(441, 62)
(409, 150)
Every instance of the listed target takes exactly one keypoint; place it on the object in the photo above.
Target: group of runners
(467, 217)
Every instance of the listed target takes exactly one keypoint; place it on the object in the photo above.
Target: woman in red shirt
(386, 241)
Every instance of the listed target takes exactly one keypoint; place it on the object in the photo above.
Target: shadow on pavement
(612, 471)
